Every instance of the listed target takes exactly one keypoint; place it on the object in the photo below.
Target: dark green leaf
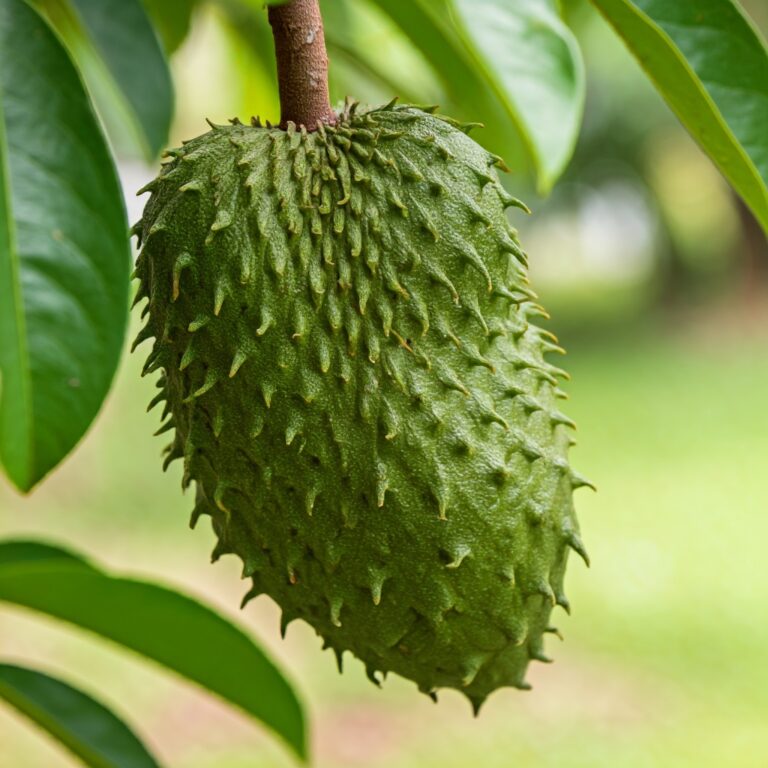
(533, 63)
(172, 19)
(122, 61)
(711, 65)
(170, 628)
(64, 257)
(22, 551)
(84, 726)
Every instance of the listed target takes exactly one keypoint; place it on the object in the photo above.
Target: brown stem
(302, 64)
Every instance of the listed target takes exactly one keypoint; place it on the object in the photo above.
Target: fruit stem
(302, 64)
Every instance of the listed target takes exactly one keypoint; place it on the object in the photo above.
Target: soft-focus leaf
(165, 626)
(23, 551)
(533, 63)
(438, 41)
(122, 61)
(711, 65)
(362, 65)
(250, 40)
(84, 726)
(172, 19)
(64, 257)
(354, 67)
(479, 58)
(123, 36)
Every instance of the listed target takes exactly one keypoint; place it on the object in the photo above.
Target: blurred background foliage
(657, 277)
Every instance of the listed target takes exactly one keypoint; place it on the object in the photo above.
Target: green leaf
(84, 726)
(124, 66)
(64, 256)
(710, 64)
(172, 20)
(23, 551)
(515, 67)
(533, 63)
(439, 42)
(165, 626)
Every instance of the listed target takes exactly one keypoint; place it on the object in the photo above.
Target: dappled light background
(656, 277)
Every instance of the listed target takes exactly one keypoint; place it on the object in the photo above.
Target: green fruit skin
(342, 320)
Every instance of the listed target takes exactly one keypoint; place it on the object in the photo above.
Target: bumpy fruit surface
(342, 320)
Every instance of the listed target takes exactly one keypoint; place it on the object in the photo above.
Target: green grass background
(665, 658)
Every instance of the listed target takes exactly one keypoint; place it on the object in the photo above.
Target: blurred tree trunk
(675, 280)
(753, 258)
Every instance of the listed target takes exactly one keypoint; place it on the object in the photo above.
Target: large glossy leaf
(710, 64)
(64, 257)
(84, 726)
(158, 623)
(533, 63)
(124, 66)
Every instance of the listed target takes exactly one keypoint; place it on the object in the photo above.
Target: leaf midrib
(17, 299)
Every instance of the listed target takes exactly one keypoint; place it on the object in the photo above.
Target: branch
(302, 64)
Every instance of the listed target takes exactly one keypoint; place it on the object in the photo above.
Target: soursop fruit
(343, 324)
